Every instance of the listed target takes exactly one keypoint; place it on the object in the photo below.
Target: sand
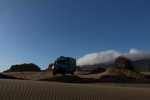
(39, 90)
(32, 89)
(44, 75)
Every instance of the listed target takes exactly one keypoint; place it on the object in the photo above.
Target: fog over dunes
(110, 56)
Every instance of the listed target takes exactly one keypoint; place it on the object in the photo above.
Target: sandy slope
(43, 75)
(37, 90)
(30, 75)
(95, 76)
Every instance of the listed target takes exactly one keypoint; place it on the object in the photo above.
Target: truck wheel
(63, 73)
(72, 73)
(54, 73)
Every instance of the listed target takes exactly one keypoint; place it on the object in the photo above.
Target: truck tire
(63, 73)
(72, 73)
(54, 73)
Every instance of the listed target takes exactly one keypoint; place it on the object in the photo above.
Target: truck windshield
(61, 62)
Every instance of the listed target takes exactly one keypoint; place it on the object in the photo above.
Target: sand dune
(30, 75)
(44, 75)
(37, 90)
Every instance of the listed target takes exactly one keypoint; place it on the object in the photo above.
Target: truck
(64, 65)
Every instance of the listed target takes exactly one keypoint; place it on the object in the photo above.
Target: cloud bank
(110, 56)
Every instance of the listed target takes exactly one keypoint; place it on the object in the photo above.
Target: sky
(39, 31)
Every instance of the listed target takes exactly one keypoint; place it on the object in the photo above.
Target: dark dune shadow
(103, 79)
(70, 79)
(2, 76)
(122, 79)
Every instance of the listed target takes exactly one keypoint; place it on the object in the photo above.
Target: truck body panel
(64, 65)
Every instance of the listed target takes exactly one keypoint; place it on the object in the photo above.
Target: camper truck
(64, 65)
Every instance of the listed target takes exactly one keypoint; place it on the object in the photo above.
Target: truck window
(61, 62)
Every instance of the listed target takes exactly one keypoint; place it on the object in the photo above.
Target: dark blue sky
(39, 31)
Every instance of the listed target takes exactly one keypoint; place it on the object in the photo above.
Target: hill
(23, 68)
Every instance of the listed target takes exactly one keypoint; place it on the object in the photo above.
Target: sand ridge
(37, 90)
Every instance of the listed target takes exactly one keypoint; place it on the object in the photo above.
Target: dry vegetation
(126, 72)
(124, 67)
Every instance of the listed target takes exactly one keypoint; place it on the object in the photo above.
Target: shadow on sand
(103, 79)
(2, 76)
(70, 79)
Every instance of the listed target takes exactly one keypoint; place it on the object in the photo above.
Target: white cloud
(133, 51)
(110, 56)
